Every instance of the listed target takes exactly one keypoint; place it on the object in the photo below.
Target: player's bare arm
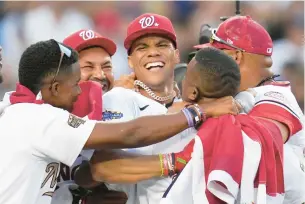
(118, 166)
(138, 133)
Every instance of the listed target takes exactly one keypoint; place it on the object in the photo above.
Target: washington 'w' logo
(87, 34)
(148, 21)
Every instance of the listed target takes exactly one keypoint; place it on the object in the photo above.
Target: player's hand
(221, 106)
(126, 81)
(177, 106)
(89, 102)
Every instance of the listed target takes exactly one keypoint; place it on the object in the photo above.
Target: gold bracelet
(161, 164)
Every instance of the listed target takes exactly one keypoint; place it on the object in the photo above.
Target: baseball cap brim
(102, 42)
(214, 44)
(203, 46)
(130, 39)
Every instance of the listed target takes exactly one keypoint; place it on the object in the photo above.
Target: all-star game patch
(110, 115)
(75, 121)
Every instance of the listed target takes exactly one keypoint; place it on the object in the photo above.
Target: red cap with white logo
(87, 38)
(149, 23)
(243, 33)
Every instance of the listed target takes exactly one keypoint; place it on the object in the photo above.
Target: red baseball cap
(87, 38)
(241, 32)
(149, 23)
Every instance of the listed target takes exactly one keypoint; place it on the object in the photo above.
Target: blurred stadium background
(24, 23)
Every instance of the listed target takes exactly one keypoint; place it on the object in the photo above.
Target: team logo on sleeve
(111, 115)
(276, 95)
(75, 121)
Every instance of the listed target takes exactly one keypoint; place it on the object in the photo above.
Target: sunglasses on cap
(214, 37)
(63, 51)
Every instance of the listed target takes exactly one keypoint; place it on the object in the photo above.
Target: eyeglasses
(63, 51)
(218, 39)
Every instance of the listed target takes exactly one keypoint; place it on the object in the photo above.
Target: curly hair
(41, 60)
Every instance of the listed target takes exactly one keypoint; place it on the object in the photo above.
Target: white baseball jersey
(121, 104)
(34, 139)
(280, 96)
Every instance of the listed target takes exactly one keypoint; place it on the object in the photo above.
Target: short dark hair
(41, 60)
(219, 73)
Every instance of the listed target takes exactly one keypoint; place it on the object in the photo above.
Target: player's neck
(165, 91)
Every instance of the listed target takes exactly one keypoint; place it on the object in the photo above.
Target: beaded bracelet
(194, 115)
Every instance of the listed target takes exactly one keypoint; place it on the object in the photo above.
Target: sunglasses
(63, 51)
(214, 37)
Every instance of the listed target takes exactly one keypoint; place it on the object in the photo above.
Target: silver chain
(152, 94)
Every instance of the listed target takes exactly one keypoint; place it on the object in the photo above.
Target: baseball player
(95, 52)
(251, 46)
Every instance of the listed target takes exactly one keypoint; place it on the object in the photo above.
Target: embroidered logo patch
(75, 121)
(276, 95)
(110, 115)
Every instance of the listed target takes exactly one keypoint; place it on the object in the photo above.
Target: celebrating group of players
(70, 133)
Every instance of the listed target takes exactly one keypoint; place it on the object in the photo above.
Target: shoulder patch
(75, 121)
(275, 95)
(110, 115)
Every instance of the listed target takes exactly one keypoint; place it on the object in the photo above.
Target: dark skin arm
(136, 133)
(140, 132)
(117, 166)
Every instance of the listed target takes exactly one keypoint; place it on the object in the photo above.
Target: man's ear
(235, 54)
(130, 64)
(238, 56)
(54, 88)
(177, 56)
(194, 94)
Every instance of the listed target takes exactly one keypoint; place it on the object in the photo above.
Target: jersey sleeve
(60, 135)
(118, 105)
(277, 103)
